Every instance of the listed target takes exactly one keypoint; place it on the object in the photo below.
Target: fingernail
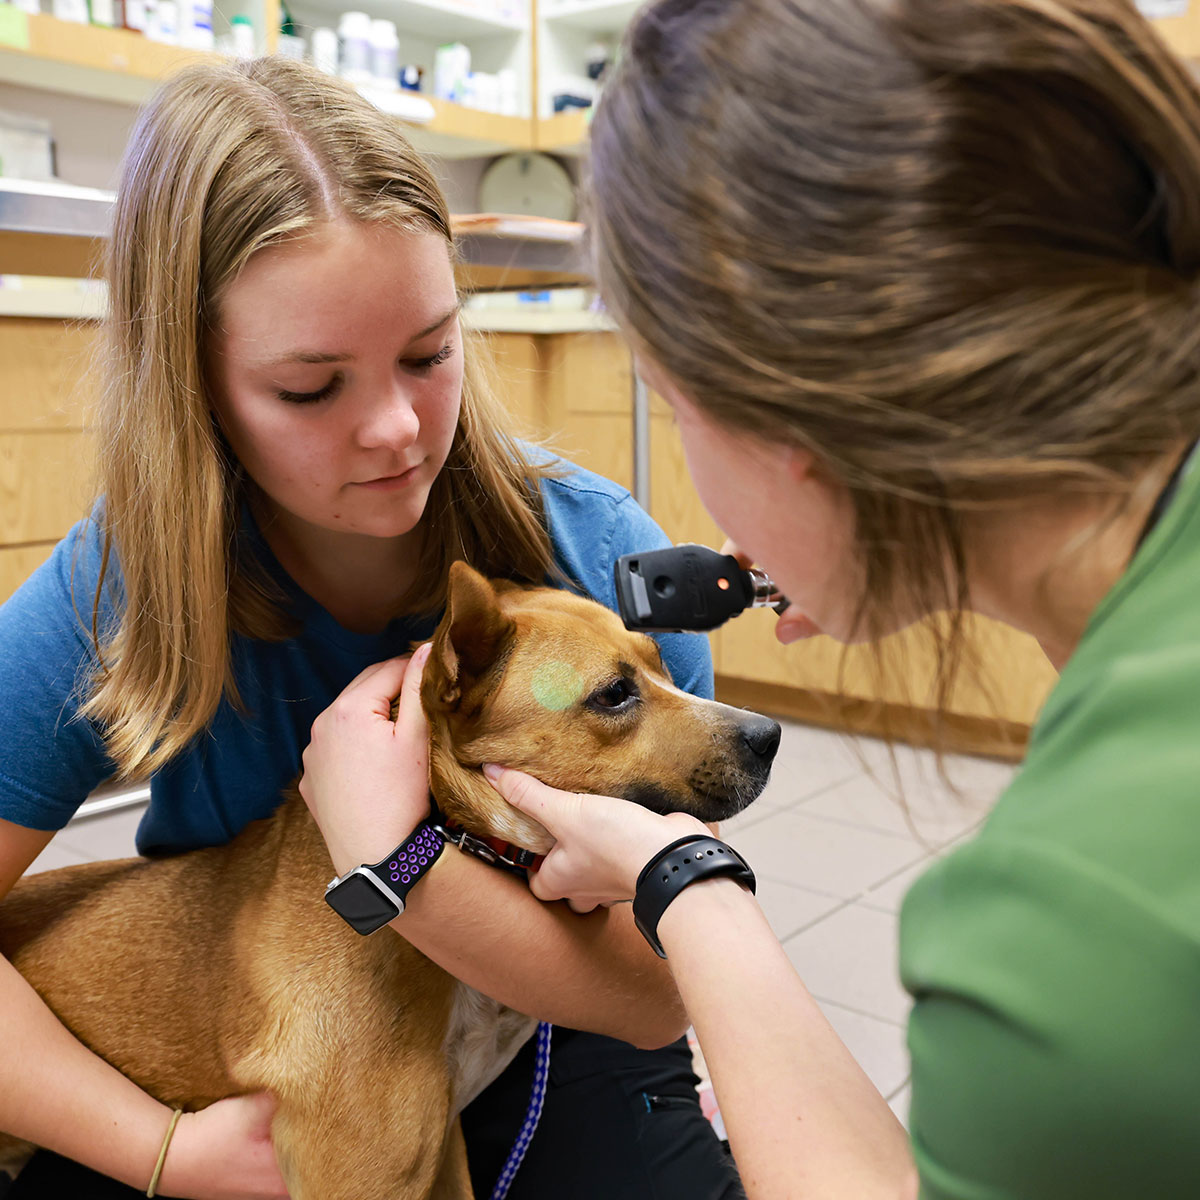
(492, 772)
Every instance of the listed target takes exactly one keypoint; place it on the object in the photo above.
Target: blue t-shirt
(236, 770)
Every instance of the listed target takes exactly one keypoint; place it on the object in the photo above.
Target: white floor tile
(824, 856)
(889, 895)
(851, 958)
(932, 816)
(809, 761)
(975, 778)
(879, 1047)
(789, 908)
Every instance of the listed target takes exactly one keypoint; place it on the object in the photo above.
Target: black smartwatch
(688, 860)
(370, 896)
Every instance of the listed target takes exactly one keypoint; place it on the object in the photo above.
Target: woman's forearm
(592, 972)
(803, 1118)
(56, 1093)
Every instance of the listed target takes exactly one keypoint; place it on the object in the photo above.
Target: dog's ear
(471, 636)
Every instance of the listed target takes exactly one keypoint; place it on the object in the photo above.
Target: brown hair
(950, 248)
(224, 160)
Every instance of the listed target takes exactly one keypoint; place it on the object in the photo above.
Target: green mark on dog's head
(556, 685)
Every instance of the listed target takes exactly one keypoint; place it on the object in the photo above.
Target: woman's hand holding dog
(366, 777)
(224, 1152)
(601, 843)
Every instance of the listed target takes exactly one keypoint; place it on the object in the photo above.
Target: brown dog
(222, 971)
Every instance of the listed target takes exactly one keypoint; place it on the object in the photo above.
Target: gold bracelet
(162, 1154)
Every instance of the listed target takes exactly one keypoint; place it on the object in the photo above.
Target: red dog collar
(496, 852)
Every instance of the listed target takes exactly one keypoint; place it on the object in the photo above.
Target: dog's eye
(616, 697)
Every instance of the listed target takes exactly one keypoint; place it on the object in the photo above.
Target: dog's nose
(762, 736)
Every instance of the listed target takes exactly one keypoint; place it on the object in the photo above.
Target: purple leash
(537, 1097)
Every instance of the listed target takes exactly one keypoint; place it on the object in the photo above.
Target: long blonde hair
(953, 249)
(224, 160)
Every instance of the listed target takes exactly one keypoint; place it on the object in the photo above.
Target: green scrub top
(1054, 960)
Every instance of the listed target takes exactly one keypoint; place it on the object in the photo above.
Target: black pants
(618, 1124)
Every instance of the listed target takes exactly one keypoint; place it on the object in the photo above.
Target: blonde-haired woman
(919, 280)
(296, 442)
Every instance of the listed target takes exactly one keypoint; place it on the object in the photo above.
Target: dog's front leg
(454, 1179)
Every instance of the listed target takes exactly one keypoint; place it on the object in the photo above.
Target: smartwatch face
(362, 904)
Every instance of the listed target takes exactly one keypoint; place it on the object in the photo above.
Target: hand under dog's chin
(494, 817)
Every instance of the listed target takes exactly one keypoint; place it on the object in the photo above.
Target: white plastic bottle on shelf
(510, 92)
(385, 54)
(163, 22)
(241, 36)
(101, 12)
(71, 10)
(136, 14)
(451, 72)
(354, 34)
(195, 24)
(325, 49)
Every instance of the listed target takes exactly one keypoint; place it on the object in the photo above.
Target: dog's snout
(762, 736)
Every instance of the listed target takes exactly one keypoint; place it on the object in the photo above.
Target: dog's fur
(222, 971)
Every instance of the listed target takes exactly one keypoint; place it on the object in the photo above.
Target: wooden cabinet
(45, 449)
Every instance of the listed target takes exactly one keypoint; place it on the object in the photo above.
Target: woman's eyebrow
(318, 356)
(443, 320)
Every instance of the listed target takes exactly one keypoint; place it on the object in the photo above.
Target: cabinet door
(589, 401)
(46, 480)
(518, 378)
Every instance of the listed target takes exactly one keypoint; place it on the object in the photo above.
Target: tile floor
(833, 852)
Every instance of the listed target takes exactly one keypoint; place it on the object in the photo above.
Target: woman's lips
(387, 483)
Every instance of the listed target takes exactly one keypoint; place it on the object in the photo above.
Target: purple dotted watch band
(370, 896)
(410, 860)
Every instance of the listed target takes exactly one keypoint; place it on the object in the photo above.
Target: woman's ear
(799, 462)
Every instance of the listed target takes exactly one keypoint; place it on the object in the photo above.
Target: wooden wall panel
(46, 373)
(519, 380)
(17, 563)
(45, 484)
(589, 401)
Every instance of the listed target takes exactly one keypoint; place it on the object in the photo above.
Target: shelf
(123, 67)
(88, 60)
(594, 16)
(443, 21)
(564, 133)
(458, 132)
(57, 230)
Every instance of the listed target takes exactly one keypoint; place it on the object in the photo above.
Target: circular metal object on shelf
(533, 185)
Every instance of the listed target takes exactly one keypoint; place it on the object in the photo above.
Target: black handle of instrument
(687, 588)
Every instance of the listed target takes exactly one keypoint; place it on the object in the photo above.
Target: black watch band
(370, 896)
(688, 860)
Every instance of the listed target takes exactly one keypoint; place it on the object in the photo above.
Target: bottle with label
(195, 24)
(290, 43)
(451, 70)
(135, 14)
(241, 36)
(325, 49)
(164, 23)
(354, 36)
(385, 54)
(71, 10)
(101, 12)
